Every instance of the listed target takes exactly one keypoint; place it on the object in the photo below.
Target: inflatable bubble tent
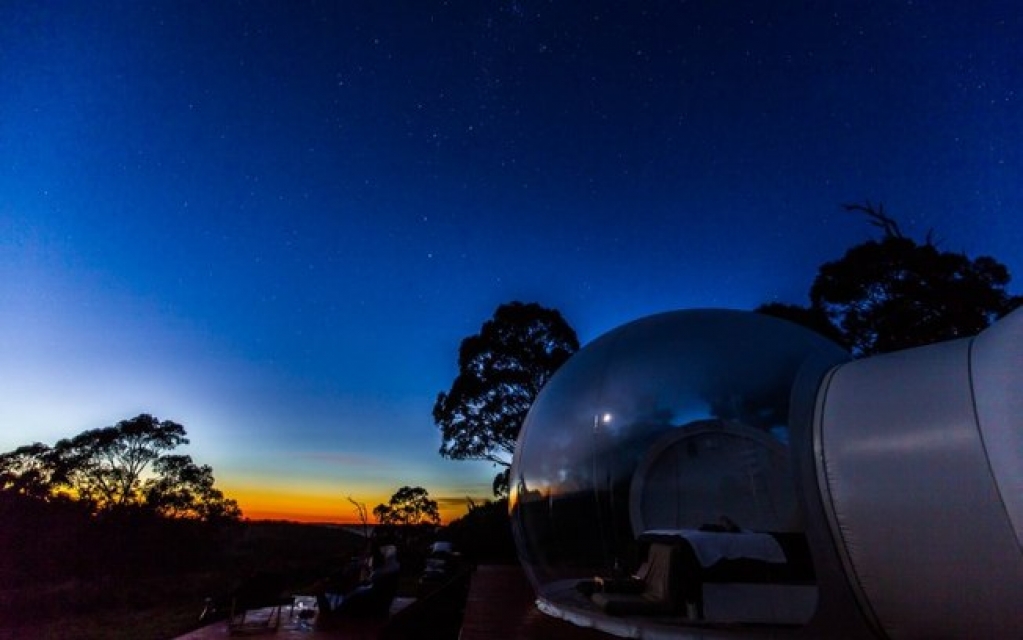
(704, 470)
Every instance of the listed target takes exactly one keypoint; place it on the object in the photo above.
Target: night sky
(275, 222)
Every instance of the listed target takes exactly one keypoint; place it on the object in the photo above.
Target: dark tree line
(408, 507)
(128, 465)
(896, 293)
(110, 501)
(484, 533)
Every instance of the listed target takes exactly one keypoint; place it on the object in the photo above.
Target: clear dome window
(679, 425)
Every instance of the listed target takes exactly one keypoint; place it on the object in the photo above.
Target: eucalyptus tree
(500, 372)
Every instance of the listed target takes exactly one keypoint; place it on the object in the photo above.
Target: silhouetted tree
(409, 506)
(105, 466)
(28, 471)
(126, 465)
(500, 372)
(183, 489)
(111, 501)
(895, 293)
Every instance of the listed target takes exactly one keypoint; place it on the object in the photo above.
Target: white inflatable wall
(920, 462)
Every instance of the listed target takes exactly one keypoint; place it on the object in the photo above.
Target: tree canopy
(409, 506)
(183, 489)
(896, 293)
(125, 465)
(500, 372)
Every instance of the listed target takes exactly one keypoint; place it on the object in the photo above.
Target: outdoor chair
(256, 605)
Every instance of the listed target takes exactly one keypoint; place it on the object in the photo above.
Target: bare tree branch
(360, 509)
(877, 217)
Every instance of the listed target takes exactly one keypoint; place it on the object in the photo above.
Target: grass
(153, 608)
(163, 605)
(158, 623)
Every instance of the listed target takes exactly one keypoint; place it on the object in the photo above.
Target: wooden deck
(501, 605)
(291, 627)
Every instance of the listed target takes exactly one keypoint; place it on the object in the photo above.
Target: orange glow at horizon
(260, 504)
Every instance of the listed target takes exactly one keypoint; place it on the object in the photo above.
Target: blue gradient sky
(274, 222)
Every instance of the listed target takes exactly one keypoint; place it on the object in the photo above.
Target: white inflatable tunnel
(919, 455)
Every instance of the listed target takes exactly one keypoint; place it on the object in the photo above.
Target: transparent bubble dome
(673, 421)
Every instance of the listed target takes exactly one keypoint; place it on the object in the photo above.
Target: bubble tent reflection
(670, 422)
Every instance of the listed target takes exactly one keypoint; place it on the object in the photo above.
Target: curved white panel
(926, 538)
(996, 362)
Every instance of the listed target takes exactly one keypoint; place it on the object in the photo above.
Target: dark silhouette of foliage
(500, 372)
(183, 489)
(409, 520)
(126, 466)
(409, 506)
(107, 504)
(895, 293)
(28, 471)
(43, 540)
(484, 533)
(105, 466)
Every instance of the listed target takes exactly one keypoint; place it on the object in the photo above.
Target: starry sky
(274, 222)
